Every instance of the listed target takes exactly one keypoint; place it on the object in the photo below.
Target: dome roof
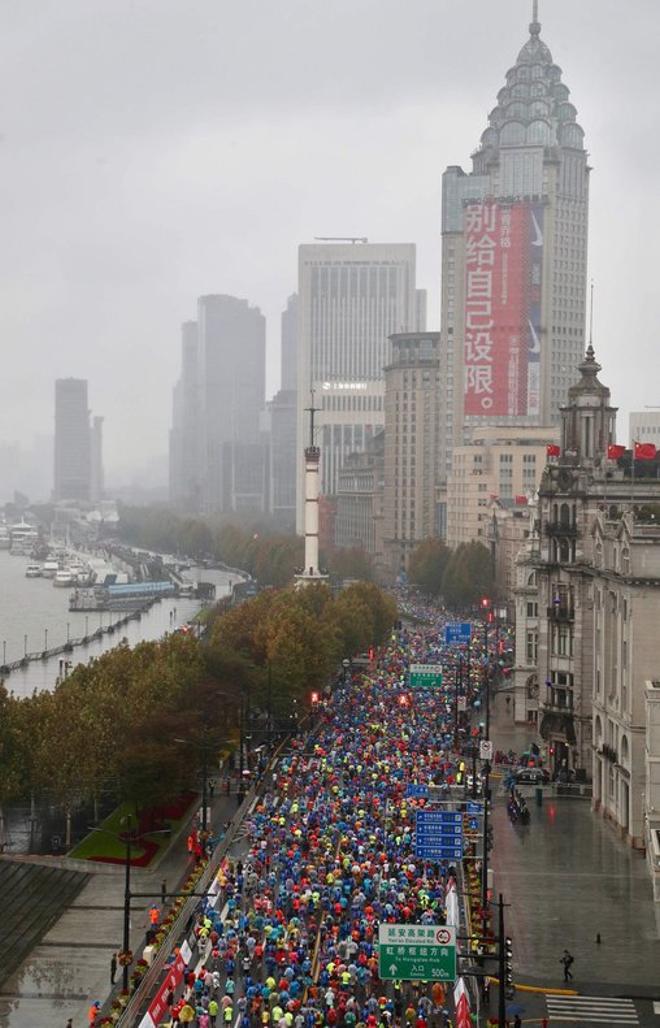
(533, 106)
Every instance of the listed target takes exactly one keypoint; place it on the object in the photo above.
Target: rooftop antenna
(591, 315)
(535, 27)
(341, 239)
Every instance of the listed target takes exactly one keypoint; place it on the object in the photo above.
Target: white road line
(592, 1009)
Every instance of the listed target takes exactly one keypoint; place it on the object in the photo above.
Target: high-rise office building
(289, 344)
(232, 370)
(186, 468)
(412, 425)
(514, 256)
(97, 478)
(72, 441)
(351, 298)
(283, 457)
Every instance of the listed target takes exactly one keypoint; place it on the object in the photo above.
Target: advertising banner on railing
(173, 977)
(503, 297)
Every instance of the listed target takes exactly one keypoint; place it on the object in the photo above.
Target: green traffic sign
(425, 676)
(425, 953)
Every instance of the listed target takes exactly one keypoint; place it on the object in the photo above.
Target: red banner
(158, 1006)
(503, 293)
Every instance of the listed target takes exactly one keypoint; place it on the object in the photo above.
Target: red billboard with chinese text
(503, 284)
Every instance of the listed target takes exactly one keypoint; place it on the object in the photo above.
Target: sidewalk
(568, 878)
(71, 966)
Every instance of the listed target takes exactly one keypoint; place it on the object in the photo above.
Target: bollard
(539, 796)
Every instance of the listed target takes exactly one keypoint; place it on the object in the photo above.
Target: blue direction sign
(473, 807)
(416, 791)
(439, 834)
(457, 632)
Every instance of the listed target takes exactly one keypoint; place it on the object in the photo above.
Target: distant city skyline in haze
(131, 186)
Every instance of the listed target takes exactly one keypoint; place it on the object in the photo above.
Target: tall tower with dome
(514, 256)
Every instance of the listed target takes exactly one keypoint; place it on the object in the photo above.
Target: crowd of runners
(329, 855)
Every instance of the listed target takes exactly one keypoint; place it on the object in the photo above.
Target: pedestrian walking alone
(113, 968)
(567, 961)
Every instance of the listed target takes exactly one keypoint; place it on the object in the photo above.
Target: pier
(68, 647)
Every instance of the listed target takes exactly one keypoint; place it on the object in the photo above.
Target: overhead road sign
(417, 952)
(458, 633)
(425, 676)
(439, 834)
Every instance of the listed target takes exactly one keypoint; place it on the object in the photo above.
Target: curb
(539, 989)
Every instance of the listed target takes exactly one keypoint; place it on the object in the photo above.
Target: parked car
(532, 775)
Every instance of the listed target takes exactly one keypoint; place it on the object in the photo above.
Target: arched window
(625, 753)
(564, 514)
(564, 551)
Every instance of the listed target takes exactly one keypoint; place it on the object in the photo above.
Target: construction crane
(341, 239)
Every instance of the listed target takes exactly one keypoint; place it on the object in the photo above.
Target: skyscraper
(186, 469)
(72, 441)
(412, 425)
(289, 344)
(514, 255)
(97, 477)
(351, 298)
(232, 370)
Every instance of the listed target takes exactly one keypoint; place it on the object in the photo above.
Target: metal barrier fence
(149, 983)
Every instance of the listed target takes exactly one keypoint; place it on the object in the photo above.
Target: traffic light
(485, 602)
(508, 968)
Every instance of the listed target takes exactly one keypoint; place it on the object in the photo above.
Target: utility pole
(486, 606)
(501, 1006)
(458, 680)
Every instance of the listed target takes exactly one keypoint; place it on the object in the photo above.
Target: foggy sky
(155, 150)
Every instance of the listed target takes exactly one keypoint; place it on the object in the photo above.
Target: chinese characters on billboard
(504, 273)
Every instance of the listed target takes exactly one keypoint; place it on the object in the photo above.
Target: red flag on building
(615, 451)
(553, 450)
(521, 501)
(645, 451)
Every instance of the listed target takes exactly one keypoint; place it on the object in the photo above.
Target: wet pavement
(568, 877)
(70, 967)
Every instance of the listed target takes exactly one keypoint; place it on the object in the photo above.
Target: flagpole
(632, 480)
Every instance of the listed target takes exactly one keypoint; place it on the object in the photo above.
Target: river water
(36, 609)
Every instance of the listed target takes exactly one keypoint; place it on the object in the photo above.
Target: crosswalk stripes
(604, 1010)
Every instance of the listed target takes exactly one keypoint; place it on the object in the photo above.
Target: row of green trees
(270, 557)
(460, 576)
(132, 725)
(295, 638)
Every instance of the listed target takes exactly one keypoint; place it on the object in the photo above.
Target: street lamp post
(345, 664)
(127, 907)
